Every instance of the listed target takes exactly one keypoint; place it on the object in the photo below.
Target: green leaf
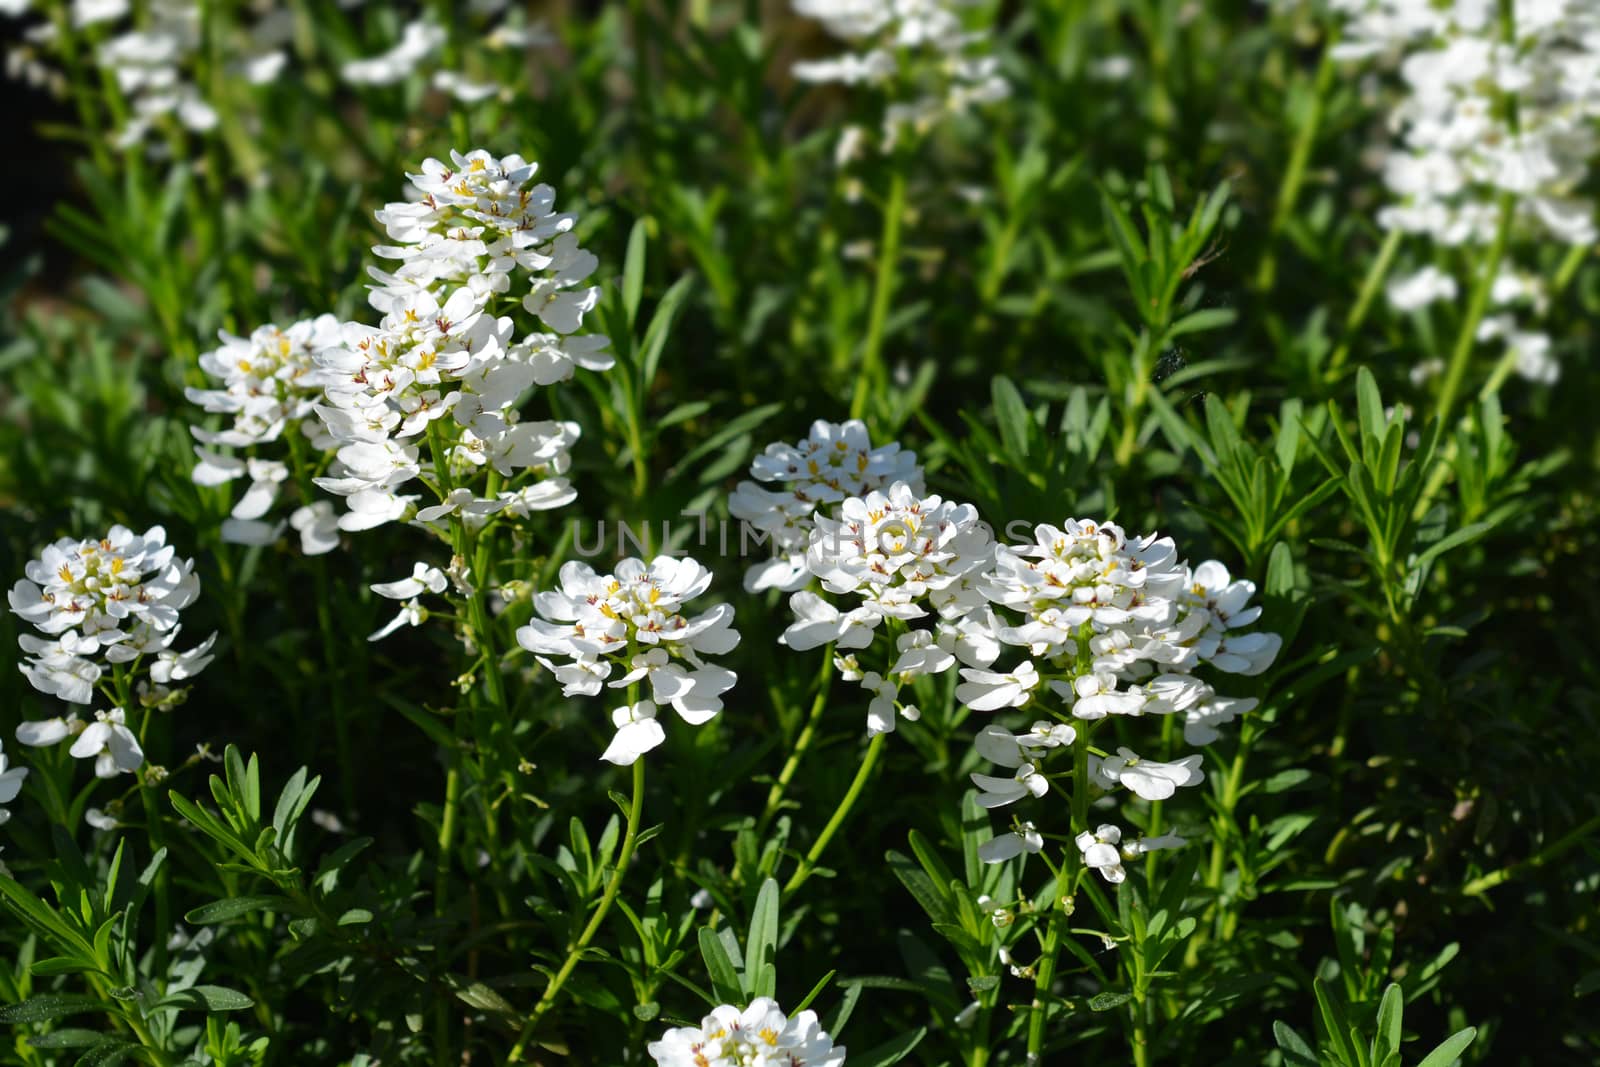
(61, 965)
(51, 1006)
(924, 889)
(1108, 1000)
(1012, 417)
(660, 328)
(1296, 1053)
(892, 1051)
(1463, 536)
(480, 996)
(233, 907)
(725, 981)
(1200, 321)
(72, 1037)
(1387, 1039)
(206, 998)
(633, 272)
(761, 945)
(1450, 1048)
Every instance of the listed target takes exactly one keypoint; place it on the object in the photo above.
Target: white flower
(318, 527)
(1100, 852)
(269, 382)
(922, 653)
(110, 743)
(885, 700)
(439, 358)
(1025, 838)
(172, 666)
(919, 47)
(424, 578)
(696, 695)
(999, 745)
(819, 622)
(991, 691)
(835, 461)
(634, 617)
(897, 550)
(98, 585)
(418, 42)
(1135, 849)
(463, 88)
(1097, 696)
(10, 784)
(1416, 291)
(637, 733)
(49, 731)
(53, 669)
(1146, 778)
(412, 613)
(760, 1035)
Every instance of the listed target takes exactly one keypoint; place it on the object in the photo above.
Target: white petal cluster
(422, 42)
(475, 231)
(103, 604)
(633, 619)
(922, 44)
(757, 1036)
(835, 461)
(268, 386)
(903, 557)
(151, 51)
(1491, 107)
(1111, 625)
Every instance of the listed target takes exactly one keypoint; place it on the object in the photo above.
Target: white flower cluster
(1112, 626)
(152, 56)
(1500, 101)
(759, 1036)
(633, 618)
(269, 385)
(440, 353)
(422, 40)
(901, 554)
(835, 461)
(111, 603)
(921, 43)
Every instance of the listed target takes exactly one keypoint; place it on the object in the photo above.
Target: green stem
(842, 812)
(1066, 878)
(1294, 174)
(871, 370)
(332, 659)
(1568, 270)
(629, 839)
(441, 894)
(1566, 843)
(1376, 272)
(802, 744)
(1467, 338)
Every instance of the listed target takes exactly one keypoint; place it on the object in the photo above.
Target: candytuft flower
(758, 1034)
(834, 462)
(633, 618)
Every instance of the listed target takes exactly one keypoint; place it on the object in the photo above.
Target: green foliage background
(1139, 299)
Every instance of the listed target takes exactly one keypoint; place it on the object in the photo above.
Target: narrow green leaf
(761, 945)
(51, 1006)
(233, 907)
(725, 981)
(1450, 1049)
(891, 1051)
